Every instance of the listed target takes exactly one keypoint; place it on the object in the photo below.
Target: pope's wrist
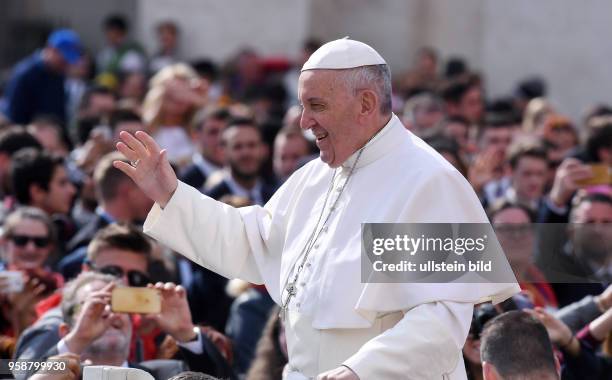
(164, 202)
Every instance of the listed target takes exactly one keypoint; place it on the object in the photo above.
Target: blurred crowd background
(71, 222)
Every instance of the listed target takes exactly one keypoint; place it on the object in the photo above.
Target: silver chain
(291, 287)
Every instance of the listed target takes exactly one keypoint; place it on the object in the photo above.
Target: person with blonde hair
(535, 115)
(175, 94)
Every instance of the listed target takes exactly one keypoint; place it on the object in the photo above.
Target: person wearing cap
(305, 243)
(37, 85)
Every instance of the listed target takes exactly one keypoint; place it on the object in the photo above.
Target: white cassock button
(298, 304)
(308, 265)
(316, 246)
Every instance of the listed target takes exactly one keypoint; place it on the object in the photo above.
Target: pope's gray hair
(376, 78)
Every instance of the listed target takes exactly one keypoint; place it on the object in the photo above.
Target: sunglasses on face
(22, 240)
(134, 277)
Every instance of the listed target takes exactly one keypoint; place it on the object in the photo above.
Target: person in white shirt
(307, 251)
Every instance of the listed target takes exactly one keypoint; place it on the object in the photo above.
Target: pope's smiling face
(330, 110)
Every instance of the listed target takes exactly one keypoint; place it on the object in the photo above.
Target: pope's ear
(368, 102)
(489, 372)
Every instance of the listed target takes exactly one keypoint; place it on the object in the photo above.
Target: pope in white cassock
(305, 243)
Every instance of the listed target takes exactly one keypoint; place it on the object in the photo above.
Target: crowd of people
(72, 222)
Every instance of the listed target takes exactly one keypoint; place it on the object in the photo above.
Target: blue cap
(68, 43)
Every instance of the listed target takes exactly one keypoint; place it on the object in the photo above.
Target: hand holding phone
(11, 282)
(600, 176)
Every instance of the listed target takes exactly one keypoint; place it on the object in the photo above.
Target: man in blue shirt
(37, 85)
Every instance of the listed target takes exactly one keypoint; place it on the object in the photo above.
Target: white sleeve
(425, 344)
(208, 232)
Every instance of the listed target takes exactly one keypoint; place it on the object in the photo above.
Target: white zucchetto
(343, 54)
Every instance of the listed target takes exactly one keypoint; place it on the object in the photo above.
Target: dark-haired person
(578, 265)
(119, 55)
(527, 90)
(290, 149)
(471, 349)
(41, 180)
(206, 129)
(97, 101)
(516, 346)
(486, 174)
(119, 200)
(598, 144)
(528, 167)
(244, 153)
(122, 251)
(457, 128)
(12, 140)
(463, 97)
(37, 85)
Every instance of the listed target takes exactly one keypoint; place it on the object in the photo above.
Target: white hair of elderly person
(305, 243)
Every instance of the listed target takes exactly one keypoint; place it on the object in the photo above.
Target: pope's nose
(306, 122)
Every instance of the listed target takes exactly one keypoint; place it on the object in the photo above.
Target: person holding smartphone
(28, 241)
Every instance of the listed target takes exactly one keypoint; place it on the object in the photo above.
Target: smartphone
(601, 176)
(135, 300)
(12, 282)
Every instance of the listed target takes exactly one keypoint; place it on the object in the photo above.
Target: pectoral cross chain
(291, 287)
